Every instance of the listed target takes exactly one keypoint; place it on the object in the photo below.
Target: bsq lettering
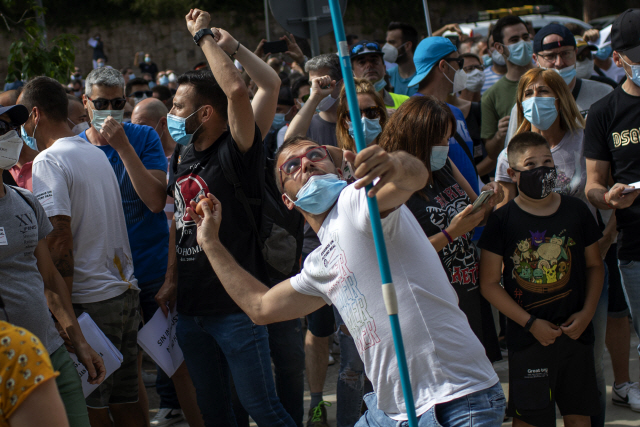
(188, 251)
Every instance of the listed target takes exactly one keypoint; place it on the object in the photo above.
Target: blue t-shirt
(400, 85)
(148, 232)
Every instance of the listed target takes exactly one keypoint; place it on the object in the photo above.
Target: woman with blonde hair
(545, 106)
(422, 127)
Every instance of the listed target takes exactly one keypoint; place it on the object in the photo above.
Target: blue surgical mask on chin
(380, 84)
(520, 53)
(540, 111)
(370, 127)
(178, 128)
(439, 155)
(320, 193)
(99, 117)
(635, 72)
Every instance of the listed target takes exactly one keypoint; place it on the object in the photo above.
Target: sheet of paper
(100, 343)
(159, 340)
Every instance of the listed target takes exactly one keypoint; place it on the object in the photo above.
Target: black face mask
(537, 183)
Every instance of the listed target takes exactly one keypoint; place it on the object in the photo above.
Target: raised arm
(400, 175)
(321, 87)
(261, 304)
(240, 113)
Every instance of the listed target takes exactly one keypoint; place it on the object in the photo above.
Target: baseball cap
(427, 54)
(17, 113)
(567, 38)
(582, 45)
(625, 34)
(364, 48)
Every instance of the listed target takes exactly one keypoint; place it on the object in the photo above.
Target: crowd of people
(233, 194)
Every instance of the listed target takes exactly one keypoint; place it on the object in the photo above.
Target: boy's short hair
(521, 142)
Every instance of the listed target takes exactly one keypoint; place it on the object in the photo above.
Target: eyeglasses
(292, 165)
(103, 104)
(470, 68)
(7, 127)
(460, 61)
(566, 55)
(361, 46)
(370, 113)
(141, 93)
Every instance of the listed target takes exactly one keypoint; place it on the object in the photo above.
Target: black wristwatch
(200, 34)
(529, 323)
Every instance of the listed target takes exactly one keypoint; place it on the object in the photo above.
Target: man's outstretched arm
(261, 304)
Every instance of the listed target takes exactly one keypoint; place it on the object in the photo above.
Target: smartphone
(275, 47)
(630, 190)
(481, 200)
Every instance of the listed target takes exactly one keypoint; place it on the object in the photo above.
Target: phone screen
(275, 47)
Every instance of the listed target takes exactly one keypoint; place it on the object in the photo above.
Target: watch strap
(200, 34)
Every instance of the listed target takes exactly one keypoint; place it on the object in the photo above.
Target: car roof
(481, 28)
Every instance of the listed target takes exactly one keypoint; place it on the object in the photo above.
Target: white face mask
(475, 81)
(79, 128)
(584, 69)
(10, 148)
(390, 52)
(459, 79)
(498, 59)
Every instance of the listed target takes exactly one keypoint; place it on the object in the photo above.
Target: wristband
(233, 55)
(447, 236)
(529, 323)
(604, 197)
(200, 34)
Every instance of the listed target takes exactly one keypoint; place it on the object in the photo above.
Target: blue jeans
(220, 346)
(600, 330)
(164, 384)
(350, 389)
(630, 272)
(484, 408)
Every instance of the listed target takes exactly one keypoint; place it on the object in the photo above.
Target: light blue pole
(388, 290)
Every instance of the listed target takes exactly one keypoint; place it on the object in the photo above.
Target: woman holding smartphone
(422, 127)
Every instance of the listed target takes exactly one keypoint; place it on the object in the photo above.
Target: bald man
(9, 97)
(152, 112)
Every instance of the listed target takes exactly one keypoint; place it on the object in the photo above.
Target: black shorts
(617, 302)
(321, 322)
(541, 377)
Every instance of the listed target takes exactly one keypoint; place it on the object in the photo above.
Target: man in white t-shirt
(76, 186)
(447, 365)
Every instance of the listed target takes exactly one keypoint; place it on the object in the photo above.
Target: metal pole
(313, 28)
(266, 20)
(426, 16)
(388, 290)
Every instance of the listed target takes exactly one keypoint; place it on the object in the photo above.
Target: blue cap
(427, 54)
(568, 38)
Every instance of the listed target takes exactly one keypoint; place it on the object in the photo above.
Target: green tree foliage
(32, 54)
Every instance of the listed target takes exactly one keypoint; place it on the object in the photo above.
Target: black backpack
(281, 230)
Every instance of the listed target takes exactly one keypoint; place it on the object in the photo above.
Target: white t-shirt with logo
(445, 359)
(74, 178)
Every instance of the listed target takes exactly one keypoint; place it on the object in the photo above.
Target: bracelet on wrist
(233, 55)
(527, 326)
(604, 197)
(447, 235)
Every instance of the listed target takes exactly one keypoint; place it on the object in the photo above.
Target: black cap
(17, 113)
(365, 47)
(285, 97)
(567, 38)
(625, 34)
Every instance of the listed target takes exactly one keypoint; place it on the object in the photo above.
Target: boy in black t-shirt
(553, 277)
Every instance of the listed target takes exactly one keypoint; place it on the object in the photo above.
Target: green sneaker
(318, 415)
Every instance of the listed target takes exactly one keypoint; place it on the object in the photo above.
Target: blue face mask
(604, 52)
(178, 128)
(635, 72)
(319, 193)
(164, 80)
(278, 121)
(439, 156)
(100, 115)
(567, 73)
(487, 61)
(370, 127)
(520, 53)
(29, 140)
(379, 85)
(540, 111)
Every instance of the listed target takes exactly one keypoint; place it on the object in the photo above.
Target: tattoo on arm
(60, 242)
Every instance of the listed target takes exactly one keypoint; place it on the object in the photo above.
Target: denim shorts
(484, 408)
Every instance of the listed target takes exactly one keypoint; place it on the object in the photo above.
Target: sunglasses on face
(292, 165)
(585, 54)
(103, 104)
(7, 127)
(470, 68)
(370, 113)
(360, 47)
(459, 61)
(305, 97)
(141, 93)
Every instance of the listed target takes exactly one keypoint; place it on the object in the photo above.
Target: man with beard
(404, 38)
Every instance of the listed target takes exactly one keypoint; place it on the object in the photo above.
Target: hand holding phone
(636, 186)
(481, 200)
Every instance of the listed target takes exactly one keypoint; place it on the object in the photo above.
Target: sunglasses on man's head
(360, 47)
(103, 104)
(7, 127)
